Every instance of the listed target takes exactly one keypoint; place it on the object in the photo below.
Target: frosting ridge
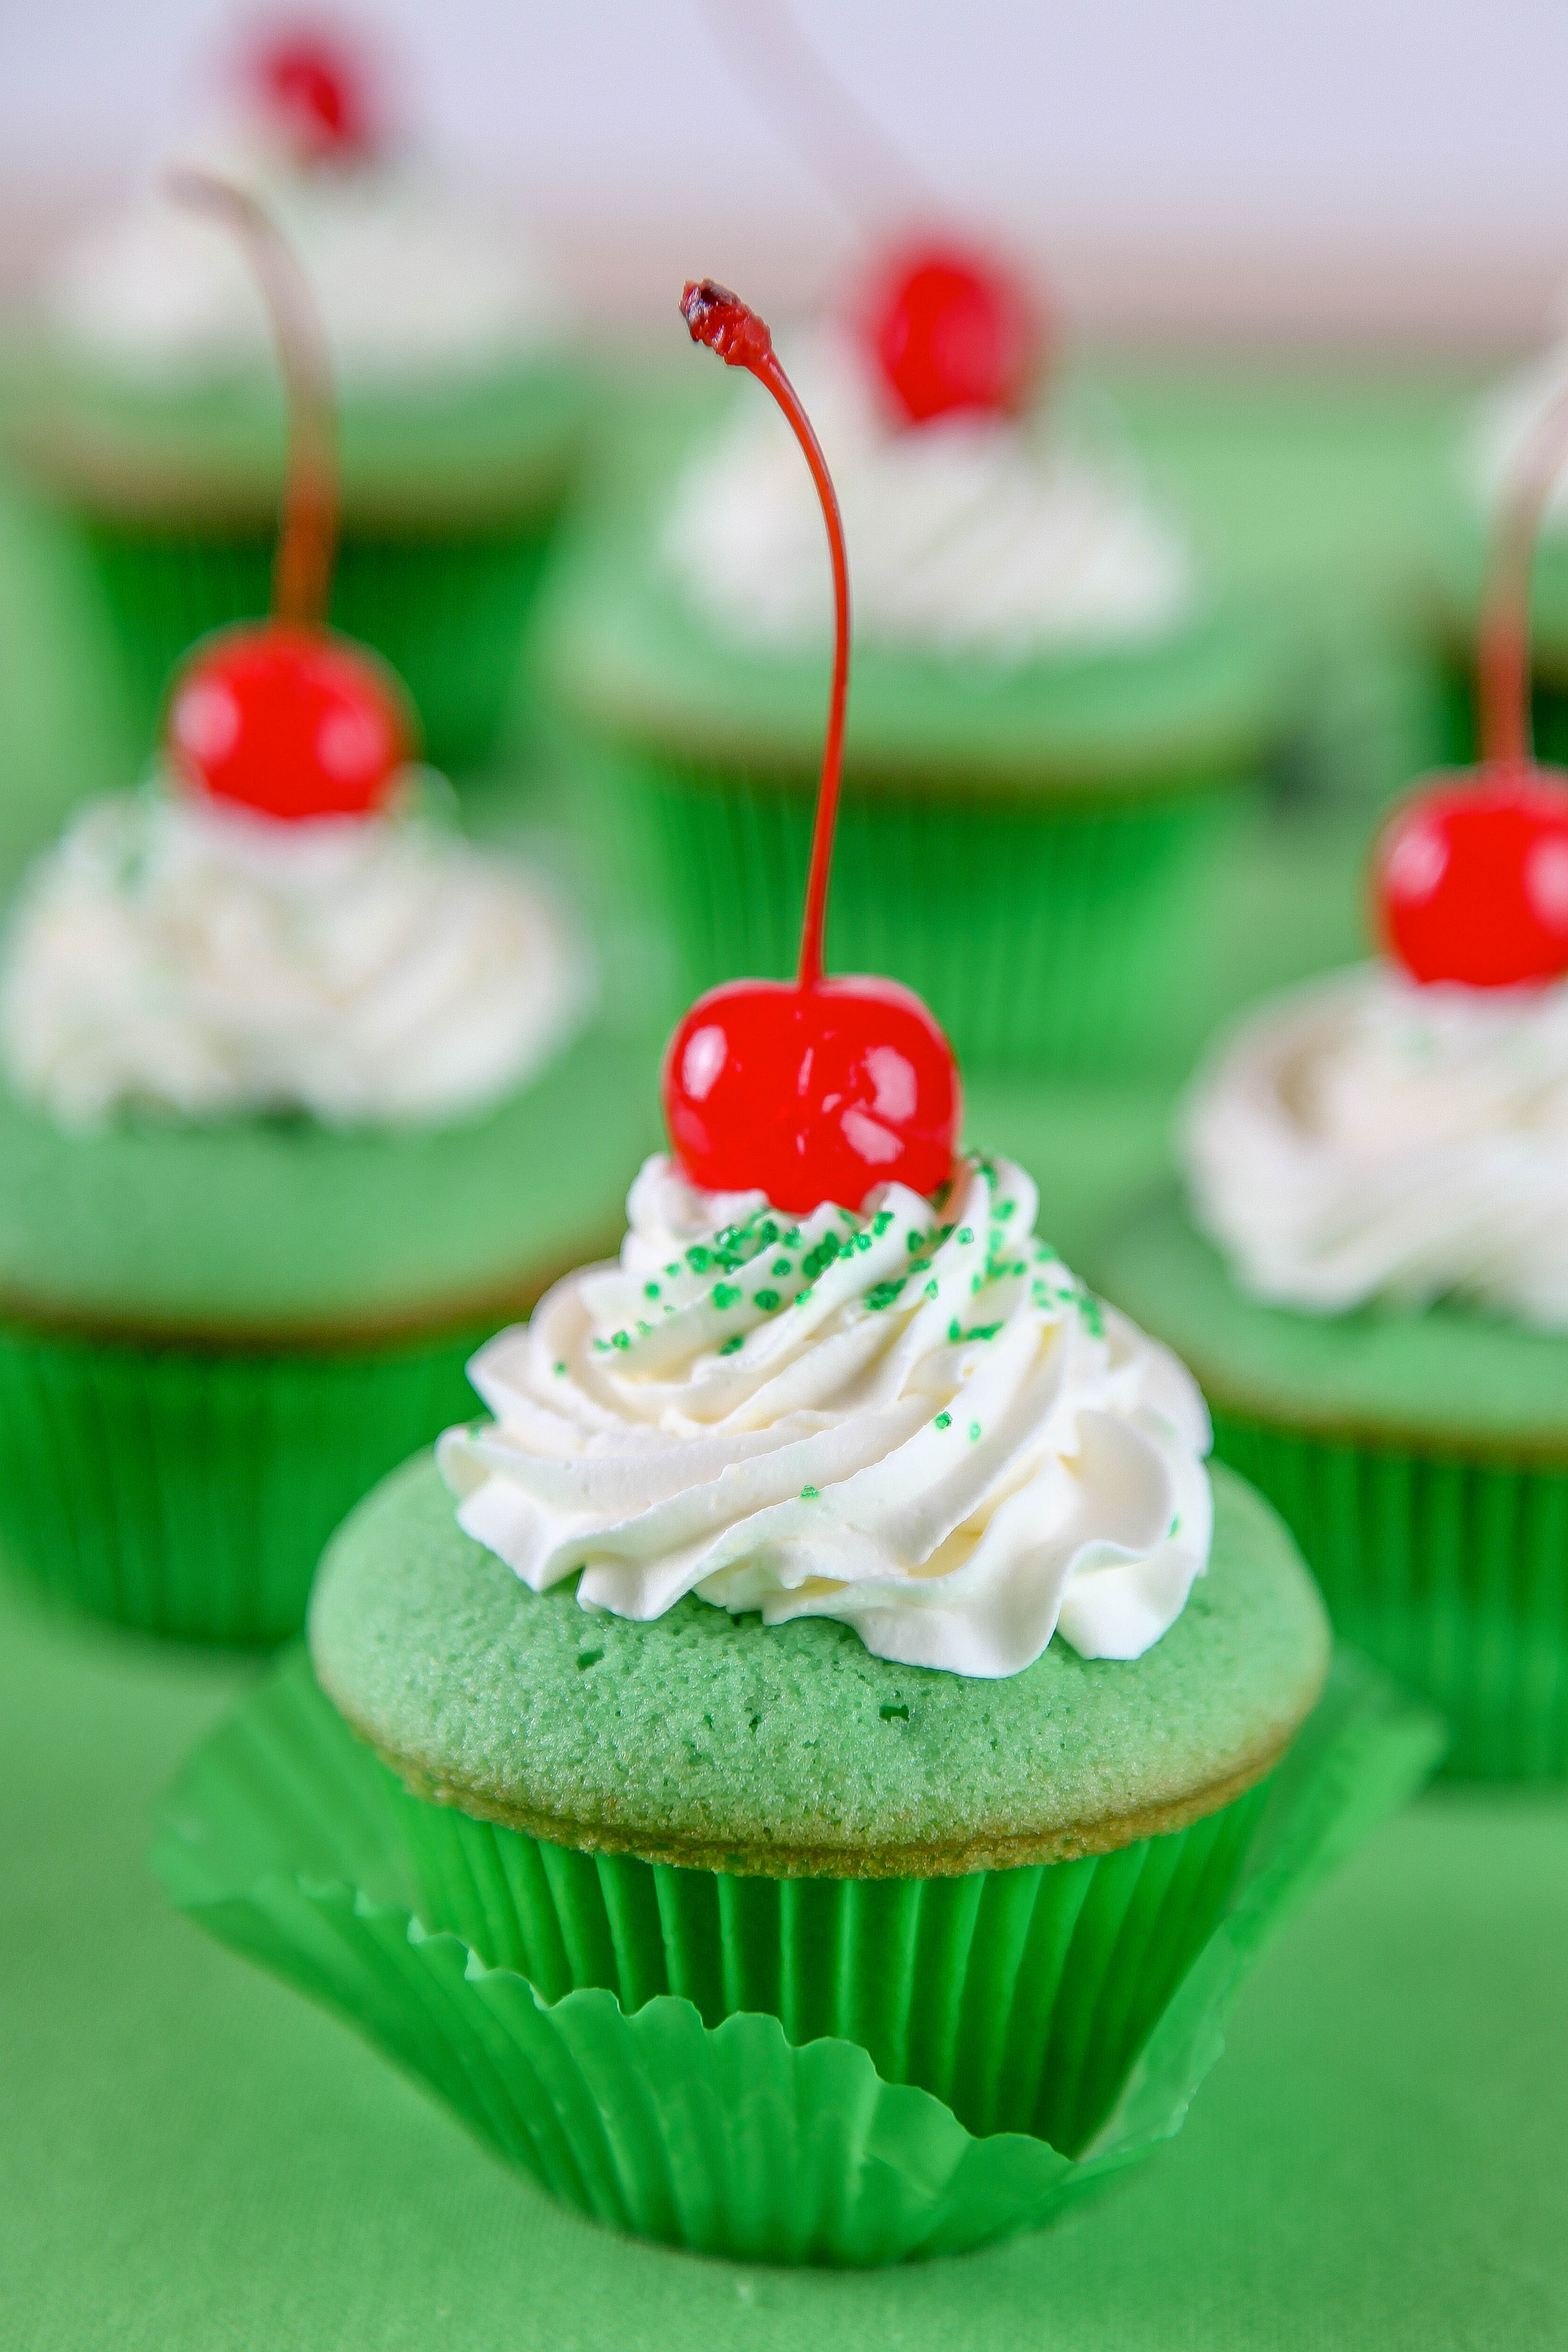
(912, 1419)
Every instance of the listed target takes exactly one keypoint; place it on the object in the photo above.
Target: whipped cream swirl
(1367, 1137)
(411, 277)
(174, 954)
(913, 1419)
(969, 534)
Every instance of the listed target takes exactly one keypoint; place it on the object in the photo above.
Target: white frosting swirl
(914, 1420)
(411, 277)
(1367, 1138)
(170, 953)
(968, 534)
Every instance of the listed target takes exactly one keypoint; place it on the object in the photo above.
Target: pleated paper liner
(1452, 1574)
(447, 612)
(1068, 937)
(773, 2133)
(191, 1493)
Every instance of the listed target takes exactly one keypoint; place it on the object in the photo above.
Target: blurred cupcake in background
(1056, 712)
(1369, 1274)
(299, 1099)
(151, 403)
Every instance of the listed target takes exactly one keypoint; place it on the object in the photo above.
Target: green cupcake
(1369, 1285)
(146, 406)
(1056, 721)
(293, 1109)
(655, 1857)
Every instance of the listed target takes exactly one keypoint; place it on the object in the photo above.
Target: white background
(1383, 169)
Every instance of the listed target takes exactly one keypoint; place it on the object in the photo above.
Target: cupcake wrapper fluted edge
(286, 1840)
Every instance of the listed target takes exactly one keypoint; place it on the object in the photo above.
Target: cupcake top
(1370, 1137)
(415, 276)
(911, 1418)
(181, 955)
(975, 533)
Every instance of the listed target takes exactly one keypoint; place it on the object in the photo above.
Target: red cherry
(314, 90)
(1470, 876)
(294, 723)
(820, 1090)
(813, 1093)
(952, 332)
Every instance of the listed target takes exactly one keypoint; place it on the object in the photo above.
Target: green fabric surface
(730, 1744)
(193, 2160)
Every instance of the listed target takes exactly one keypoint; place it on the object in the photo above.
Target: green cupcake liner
(447, 612)
(730, 2132)
(189, 1492)
(1451, 1573)
(1018, 1998)
(1044, 934)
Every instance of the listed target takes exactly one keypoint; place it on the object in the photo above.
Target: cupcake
(149, 405)
(803, 1775)
(1057, 718)
(297, 1098)
(1368, 1274)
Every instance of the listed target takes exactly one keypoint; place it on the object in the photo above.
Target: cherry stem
(1502, 651)
(308, 521)
(721, 321)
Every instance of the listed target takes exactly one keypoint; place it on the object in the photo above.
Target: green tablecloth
(192, 2160)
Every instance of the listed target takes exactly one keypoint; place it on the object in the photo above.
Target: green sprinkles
(650, 1290)
(810, 1495)
(766, 1299)
(942, 1420)
(780, 1265)
(725, 1294)
(737, 1339)
(966, 1232)
(974, 1431)
(559, 1371)
(882, 1294)
(881, 1221)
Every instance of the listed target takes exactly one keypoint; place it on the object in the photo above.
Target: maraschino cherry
(283, 715)
(952, 332)
(1470, 873)
(816, 1089)
(313, 91)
